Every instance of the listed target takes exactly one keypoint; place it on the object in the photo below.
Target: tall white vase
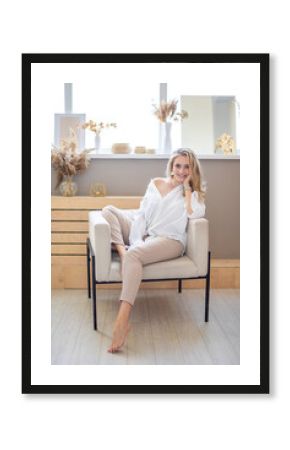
(165, 138)
(97, 142)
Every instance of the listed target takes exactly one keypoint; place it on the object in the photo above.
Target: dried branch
(97, 127)
(168, 110)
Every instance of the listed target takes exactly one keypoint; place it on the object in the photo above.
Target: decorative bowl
(120, 147)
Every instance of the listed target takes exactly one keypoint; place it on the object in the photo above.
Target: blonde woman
(157, 232)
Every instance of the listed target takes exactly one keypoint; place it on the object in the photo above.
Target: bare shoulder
(159, 181)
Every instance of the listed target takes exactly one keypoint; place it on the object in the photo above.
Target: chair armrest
(198, 243)
(100, 237)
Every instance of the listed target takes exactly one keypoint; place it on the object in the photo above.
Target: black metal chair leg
(179, 286)
(94, 293)
(207, 289)
(88, 269)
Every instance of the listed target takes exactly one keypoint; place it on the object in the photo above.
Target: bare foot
(120, 332)
(121, 327)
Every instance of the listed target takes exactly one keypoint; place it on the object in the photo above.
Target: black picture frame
(263, 61)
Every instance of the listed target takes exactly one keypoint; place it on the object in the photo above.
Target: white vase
(97, 142)
(165, 138)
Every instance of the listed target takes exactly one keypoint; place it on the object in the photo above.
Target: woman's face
(180, 169)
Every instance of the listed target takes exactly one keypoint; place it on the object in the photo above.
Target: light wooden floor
(166, 328)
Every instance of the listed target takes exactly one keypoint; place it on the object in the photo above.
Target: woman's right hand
(186, 184)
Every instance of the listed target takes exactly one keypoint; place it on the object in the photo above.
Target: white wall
(197, 130)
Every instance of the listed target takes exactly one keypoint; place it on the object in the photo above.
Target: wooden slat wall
(69, 231)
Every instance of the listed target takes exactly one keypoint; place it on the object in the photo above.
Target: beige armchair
(104, 264)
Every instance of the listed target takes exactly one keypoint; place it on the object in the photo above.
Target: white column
(68, 98)
(162, 97)
(163, 92)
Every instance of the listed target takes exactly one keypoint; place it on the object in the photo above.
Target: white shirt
(164, 216)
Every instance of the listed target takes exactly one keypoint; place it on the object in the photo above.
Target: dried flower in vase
(66, 160)
(167, 111)
(97, 127)
(226, 143)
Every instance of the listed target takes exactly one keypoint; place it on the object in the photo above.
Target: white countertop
(154, 156)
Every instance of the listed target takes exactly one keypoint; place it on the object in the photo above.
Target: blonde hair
(196, 183)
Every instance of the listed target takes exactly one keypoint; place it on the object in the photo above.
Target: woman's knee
(107, 210)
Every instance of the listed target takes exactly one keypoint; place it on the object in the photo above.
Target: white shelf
(154, 156)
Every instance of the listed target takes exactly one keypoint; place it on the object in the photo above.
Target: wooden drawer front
(69, 215)
(68, 272)
(69, 238)
(68, 249)
(93, 203)
(70, 226)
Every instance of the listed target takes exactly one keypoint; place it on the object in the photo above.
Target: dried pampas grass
(65, 159)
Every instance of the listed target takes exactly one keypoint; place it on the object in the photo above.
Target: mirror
(211, 126)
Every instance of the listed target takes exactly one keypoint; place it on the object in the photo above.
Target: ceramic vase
(97, 142)
(165, 137)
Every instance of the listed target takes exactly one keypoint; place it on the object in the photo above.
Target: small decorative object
(166, 113)
(225, 143)
(120, 147)
(140, 149)
(68, 162)
(98, 190)
(97, 128)
(150, 151)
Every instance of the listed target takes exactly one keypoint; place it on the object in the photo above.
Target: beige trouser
(150, 251)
